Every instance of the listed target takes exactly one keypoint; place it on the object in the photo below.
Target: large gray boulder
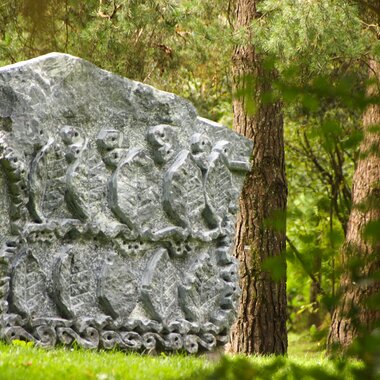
(117, 212)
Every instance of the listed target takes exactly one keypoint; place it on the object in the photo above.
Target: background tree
(319, 54)
(261, 323)
(357, 311)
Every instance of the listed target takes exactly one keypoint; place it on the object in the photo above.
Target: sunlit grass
(23, 361)
(26, 362)
(302, 347)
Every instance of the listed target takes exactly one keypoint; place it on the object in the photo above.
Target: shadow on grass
(280, 367)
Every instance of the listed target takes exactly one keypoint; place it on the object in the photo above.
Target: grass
(21, 361)
(305, 361)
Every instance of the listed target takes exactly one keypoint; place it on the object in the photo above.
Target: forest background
(319, 51)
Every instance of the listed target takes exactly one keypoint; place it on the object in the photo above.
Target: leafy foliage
(313, 34)
(176, 46)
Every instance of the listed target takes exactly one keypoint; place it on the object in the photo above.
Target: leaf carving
(47, 183)
(28, 291)
(201, 290)
(73, 285)
(118, 290)
(135, 196)
(87, 183)
(159, 287)
(183, 196)
(218, 185)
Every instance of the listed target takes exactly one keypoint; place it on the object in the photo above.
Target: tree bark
(354, 316)
(261, 324)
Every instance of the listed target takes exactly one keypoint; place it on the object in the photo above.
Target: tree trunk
(260, 240)
(361, 253)
(315, 291)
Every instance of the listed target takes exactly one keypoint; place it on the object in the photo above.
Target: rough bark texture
(261, 323)
(361, 255)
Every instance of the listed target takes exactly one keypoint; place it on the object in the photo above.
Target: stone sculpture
(117, 212)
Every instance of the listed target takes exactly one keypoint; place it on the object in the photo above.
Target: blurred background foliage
(319, 49)
(179, 46)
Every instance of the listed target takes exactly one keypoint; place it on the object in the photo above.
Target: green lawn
(20, 361)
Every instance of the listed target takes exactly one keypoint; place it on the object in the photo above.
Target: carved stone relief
(117, 212)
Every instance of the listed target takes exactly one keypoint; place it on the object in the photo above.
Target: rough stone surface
(117, 212)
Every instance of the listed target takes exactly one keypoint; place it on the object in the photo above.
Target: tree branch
(304, 266)
(310, 153)
(369, 6)
(116, 7)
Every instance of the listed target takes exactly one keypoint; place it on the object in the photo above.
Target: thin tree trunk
(261, 323)
(315, 291)
(361, 254)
